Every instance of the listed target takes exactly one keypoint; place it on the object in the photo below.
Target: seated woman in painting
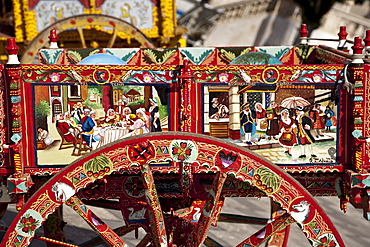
(140, 125)
(111, 117)
(76, 115)
(43, 135)
(67, 117)
(127, 117)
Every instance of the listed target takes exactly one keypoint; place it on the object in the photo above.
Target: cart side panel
(52, 91)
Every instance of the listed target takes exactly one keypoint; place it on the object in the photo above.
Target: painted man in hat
(247, 119)
(119, 108)
(304, 137)
(86, 114)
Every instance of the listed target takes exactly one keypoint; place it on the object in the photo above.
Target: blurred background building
(265, 22)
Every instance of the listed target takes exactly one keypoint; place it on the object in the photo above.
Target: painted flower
(328, 240)
(224, 78)
(182, 151)
(134, 187)
(147, 77)
(29, 224)
(54, 77)
(317, 76)
(326, 243)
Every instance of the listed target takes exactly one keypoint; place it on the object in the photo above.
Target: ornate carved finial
(53, 38)
(342, 39)
(186, 74)
(12, 50)
(357, 51)
(367, 44)
(304, 34)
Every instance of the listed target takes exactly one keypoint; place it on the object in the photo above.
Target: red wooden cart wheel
(199, 168)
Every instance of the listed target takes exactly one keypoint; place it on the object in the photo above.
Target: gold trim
(18, 20)
(106, 71)
(276, 78)
(23, 17)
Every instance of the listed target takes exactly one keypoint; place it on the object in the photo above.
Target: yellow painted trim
(18, 21)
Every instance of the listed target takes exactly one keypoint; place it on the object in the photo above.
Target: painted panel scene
(72, 120)
(289, 124)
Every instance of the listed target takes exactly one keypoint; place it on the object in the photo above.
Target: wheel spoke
(3, 208)
(82, 37)
(145, 241)
(277, 225)
(208, 213)
(210, 242)
(280, 238)
(112, 38)
(233, 218)
(53, 241)
(120, 231)
(154, 207)
(109, 236)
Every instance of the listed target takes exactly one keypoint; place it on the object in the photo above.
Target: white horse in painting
(303, 209)
(62, 191)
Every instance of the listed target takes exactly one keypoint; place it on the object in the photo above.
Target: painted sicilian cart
(167, 135)
(93, 24)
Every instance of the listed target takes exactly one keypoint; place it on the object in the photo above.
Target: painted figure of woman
(288, 138)
(329, 115)
(140, 124)
(261, 123)
(155, 123)
(111, 117)
(43, 135)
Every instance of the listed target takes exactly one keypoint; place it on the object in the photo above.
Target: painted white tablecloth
(111, 135)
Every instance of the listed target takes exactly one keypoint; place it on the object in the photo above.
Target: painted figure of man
(247, 119)
(88, 128)
(65, 128)
(273, 117)
(119, 108)
(304, 137)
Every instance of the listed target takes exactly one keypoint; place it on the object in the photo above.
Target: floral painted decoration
(29, 222)
(326, 240)
(183, 151)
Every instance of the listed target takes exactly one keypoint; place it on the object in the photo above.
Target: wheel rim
(206, 155)
(78, 22)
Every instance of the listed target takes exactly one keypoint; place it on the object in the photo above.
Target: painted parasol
(293, 102)
(102, 59)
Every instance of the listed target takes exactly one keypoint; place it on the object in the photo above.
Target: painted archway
(186, 154)
(78, 22)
